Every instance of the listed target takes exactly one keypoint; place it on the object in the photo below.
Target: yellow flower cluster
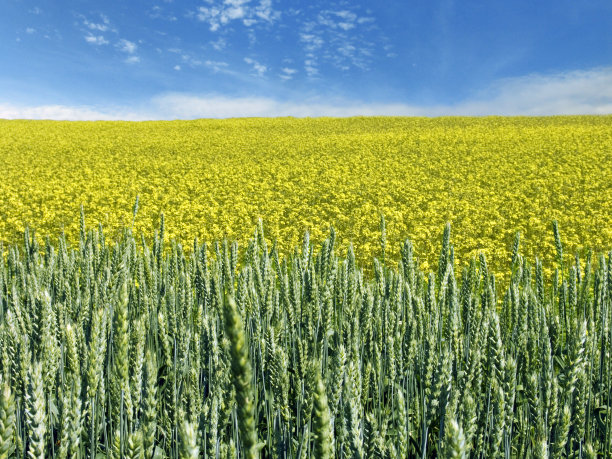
(489, 177)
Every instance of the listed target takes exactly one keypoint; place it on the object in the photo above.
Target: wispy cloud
(258, 69)
(265, 12)
(127, 46)
(344, 37)
(66, 112)
(217, 66)
(287, 73)
(574, 92)
(579, 91)
(30, 30)
(337, 37)
(312, 42)
(157, 12)
(102, 26)
(192, 61)
(343, 19)
(219, 44)
(96, 40)
(220, 13)
(310, 66)
(186, 58)
(95, 31)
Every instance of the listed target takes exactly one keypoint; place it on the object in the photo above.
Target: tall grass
(137, 350)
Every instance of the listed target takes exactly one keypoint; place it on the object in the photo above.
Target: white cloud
(346, 15)
(287, 73)
(219, 44)
(338, 37)
(236, 12)
(177, 67)
(183, 105)
(96, 40)
(157, 12)
(103, 26)
(36, 10)
(575, 92)
(99, 27)
(217, 66)
(365, 20)
(389, 51)
(127, 46)
(346, 25)
(30, 30)
(187, 58)
(65, 112)
(258, 68)
(219, 13)
(580, 91)
(310, 65)
(265, 11)
(345, 20)
(311, 42)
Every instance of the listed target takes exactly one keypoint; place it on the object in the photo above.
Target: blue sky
(219, 58)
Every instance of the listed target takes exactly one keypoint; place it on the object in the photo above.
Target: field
(488, 177)
(185, 312)
(122, 351)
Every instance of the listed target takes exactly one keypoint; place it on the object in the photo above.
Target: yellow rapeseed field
(489, 177)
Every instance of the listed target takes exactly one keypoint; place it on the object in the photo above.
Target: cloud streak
(127, 46)
(96, 40)
(287, 73)
(257, 68)
(337, 37)
(103, 26)
(66, 112)
(218, 14)
(576, 92)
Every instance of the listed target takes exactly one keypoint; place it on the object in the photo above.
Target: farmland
(129, 350)
(488, 177)
(312, 288)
